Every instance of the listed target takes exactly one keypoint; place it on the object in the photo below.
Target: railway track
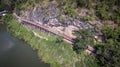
(46, 28)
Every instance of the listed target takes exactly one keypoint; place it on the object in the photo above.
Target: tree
(109, 51)
(84, 38)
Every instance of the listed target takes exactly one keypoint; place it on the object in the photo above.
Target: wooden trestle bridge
(45, 28)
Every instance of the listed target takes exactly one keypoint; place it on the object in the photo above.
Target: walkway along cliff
(45, 28)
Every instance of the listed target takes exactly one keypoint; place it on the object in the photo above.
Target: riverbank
(57, 53)
(17, 53)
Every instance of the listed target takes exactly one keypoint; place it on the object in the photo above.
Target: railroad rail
(46, 28)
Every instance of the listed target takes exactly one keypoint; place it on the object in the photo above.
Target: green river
(16, 53)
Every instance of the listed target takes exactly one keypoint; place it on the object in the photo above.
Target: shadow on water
(16, 53)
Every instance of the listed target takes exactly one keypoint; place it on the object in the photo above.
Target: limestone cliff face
(52, 14)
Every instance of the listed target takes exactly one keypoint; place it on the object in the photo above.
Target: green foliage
(5, 5)
(108, 10)
(84, 3)
(87, 61)
(88, 18)
(84, 38)
(59, 40)
(105, 10)
(111, 33)
(1, 20)
(9, 5)
(5, 19)
(108, 54)
(107, 31)
(102, 13)
(109, 51)
(69, 11)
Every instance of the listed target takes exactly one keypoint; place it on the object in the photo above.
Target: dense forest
(107, 52)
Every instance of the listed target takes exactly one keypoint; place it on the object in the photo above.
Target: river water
(16, 53)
